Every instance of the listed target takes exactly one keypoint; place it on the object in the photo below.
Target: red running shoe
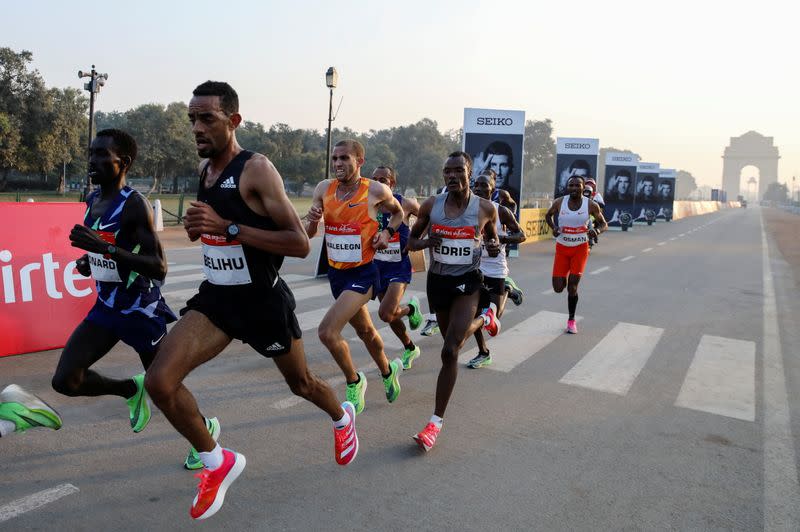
(214, 484)
(572, 328)
(345, 439)
(427, 438)
(490, 322)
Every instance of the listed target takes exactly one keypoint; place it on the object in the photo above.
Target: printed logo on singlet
(105, 226)
(457, 244)
(351, 205)
(392, 251)
(275, 347)
(343, 242)
(224, 262)
(103, 267)
(228, 183)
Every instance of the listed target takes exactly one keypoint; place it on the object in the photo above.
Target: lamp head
(331, 77)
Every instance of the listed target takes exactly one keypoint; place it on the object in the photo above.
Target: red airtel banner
(42, 295)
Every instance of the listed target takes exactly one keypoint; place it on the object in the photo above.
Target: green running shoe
(355, 393)
(409, 356)
(392, 382)
(26, 411)
(483, 359)
(193, 461)
(415, 316)
(139, 405)
(515, 293)
(431, 328)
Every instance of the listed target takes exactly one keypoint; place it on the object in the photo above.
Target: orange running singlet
(348, 227)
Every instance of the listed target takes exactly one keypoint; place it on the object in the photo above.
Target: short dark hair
(392, 172)
(624, 173)
(649, 178)
(499, 147)
(467, 157)
(581, 164)
(353, 145)
(124, 143)
(489, 173)
(228, 99)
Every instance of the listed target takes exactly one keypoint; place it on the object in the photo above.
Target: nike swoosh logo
(101, 226)
(154, 342)
(351, 205)
(356, 286)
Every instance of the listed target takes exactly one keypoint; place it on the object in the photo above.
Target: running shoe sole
(232, 475)
(26, 410)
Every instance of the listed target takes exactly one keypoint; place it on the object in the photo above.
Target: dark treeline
(43, 134)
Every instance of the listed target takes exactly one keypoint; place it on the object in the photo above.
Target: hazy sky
(672, 80)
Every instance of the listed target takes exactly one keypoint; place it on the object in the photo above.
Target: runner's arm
(600, 223)
(415, 242)
(314, 214)
(549, 217)
(385, 202)
(410, 208)
(489, 216)
(506, 200)
(149, 260)
(514, 235)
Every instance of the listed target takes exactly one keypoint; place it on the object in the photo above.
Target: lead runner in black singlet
(247, 225)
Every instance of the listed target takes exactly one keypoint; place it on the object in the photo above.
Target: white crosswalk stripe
(614, 363)
(721, 379)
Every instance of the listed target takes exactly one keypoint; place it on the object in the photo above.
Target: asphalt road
(675, 407)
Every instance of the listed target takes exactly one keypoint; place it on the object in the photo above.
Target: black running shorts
(442, 289)
(495, 285)
(261, 317)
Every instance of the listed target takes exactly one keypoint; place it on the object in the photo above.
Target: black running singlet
(233, 263)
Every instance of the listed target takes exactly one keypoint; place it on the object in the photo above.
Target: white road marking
(175, 279)
(629, 257)
(600, 270)
(673, 238)
(184, 268)
(614, 363)
(683, 234)
(34, 501)
(661, 244)
(294, 277)
(514, 346)
(548, 292)
(781, 489)
(645, 250)
(721, 379)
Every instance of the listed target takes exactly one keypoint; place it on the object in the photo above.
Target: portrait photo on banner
(498, 152)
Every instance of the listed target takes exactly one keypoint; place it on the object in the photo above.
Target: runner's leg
(88, 344)
(330, 329)
(362, 323)
(193, 341)
(392, 313)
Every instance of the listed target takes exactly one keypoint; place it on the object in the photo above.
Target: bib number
(343, 242)
(224, 262)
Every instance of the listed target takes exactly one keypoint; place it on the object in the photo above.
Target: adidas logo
(275, 347)
(228, 183)
(462, 287)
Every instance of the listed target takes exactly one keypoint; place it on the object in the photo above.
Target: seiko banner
(645, 200)
(665, 193)
(620, 175)
(43, 296)
(574, 157)
(494, 138)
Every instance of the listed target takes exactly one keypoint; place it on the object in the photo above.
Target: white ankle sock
(212, 459)
(342, 423)
(7, 427)
(436, 420)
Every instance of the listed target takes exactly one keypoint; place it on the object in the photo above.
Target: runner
(572, 241)
(495, 269)
(20, 410)
(247, 226)
(128, 264)
(394, 268)
(351, 205)
(457, 218)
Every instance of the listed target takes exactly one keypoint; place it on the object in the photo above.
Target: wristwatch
(111, 250)
(231, 232)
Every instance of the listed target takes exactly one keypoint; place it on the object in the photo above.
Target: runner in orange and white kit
(572, 234)
(394, 267)
(455, 221)
(350, 205)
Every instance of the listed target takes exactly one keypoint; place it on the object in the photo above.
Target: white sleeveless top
(573, 225)
(496, 267)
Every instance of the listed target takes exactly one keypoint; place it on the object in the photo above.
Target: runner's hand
(201, 218)
(381, 240)
(314, 214)
(492, 247)
(84, 238)
(82, 265)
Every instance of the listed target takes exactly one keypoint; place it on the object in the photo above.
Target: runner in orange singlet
(350, 205)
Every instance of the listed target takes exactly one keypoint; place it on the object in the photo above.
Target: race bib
(343, 242)
(224, 262)
(104, 268)
(572, 236)
(392, 252)
(457, 244)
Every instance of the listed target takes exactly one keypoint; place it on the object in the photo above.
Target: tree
(776, 192)
(539, 167)
(685, 184)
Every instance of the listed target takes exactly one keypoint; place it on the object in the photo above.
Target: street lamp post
(96, 80)
(331, 79)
